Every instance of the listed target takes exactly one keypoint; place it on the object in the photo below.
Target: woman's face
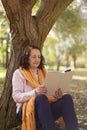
(35, 58)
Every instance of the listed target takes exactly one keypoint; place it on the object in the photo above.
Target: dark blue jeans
(46, 113)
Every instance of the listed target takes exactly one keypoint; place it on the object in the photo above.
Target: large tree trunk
(25, 29)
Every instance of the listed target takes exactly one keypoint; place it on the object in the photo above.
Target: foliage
(4, 37)
(50, 51)
(70, 33)
(2, 77)
(35, 8)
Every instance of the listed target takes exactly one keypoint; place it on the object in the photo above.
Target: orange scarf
(28, 117)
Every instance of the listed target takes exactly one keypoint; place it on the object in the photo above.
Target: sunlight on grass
(81, 69)
(80, 77)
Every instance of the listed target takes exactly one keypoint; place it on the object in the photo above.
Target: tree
(25, 29)
(4, 38)
(71, 33)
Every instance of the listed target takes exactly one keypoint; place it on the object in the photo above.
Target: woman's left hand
(58, 93)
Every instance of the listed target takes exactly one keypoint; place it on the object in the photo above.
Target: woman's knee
(67, 101)
(41, 98)
(67, 98)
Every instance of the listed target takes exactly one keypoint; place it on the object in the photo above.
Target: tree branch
(28, 4)
(14, 8)
(10, 7)
(18, 13)
(48, 13)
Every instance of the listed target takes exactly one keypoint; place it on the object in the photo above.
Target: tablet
(55, 80)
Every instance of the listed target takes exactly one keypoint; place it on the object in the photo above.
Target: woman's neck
(34, 69)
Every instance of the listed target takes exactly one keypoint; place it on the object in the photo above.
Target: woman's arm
(18, 93)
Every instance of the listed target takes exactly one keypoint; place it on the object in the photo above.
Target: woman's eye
(36, 57)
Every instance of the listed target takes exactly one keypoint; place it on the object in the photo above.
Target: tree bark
(25, 29)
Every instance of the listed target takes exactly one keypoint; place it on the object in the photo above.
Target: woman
(34, 108)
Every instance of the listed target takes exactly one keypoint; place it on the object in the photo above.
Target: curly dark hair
(24, 60)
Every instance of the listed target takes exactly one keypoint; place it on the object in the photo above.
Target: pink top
(21, 91)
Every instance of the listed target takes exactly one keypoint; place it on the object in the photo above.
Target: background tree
(25, 28)
(70, 30)
(4, 39)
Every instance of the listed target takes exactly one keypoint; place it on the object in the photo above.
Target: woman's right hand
(41, 90)
(58, 93)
